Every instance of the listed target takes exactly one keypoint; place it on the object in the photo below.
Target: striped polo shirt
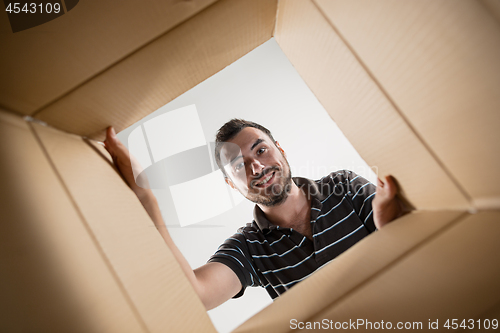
(276, 258)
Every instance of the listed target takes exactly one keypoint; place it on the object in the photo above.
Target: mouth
(266, 180)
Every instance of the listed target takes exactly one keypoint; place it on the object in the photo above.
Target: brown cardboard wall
(493, 7)
(493, 313)
(41, 64)
(138, 256)
(411, 84)
(164, 69)
(459, 278)
(54, 276)
(361, 107)
(438, 62)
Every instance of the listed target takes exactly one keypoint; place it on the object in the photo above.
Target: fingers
(380, 183)
(110, 134)
(388, 185)
(110, 142)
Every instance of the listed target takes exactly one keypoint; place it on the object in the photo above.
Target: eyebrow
(255, 144)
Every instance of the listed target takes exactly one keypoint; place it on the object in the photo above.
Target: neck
(296, 207)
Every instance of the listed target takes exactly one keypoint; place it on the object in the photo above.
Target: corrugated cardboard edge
(443, 80)
(352, 270)
(52, 266)
(334, 73)
(61, 55)
(143, 264)
(458, 282)
(143, 82)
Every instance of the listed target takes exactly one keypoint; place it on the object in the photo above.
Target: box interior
(413, 86)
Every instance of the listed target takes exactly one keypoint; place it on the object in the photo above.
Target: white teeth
(265, 180)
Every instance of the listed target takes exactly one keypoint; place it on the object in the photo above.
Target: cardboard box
(413, 85)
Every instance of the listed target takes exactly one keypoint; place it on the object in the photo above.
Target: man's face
(257, 167)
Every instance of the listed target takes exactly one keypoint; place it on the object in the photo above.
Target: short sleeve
(362, 192)
(234, 254)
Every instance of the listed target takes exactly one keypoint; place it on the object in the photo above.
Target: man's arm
(214, 282)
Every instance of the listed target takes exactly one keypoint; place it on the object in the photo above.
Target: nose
(256, 167)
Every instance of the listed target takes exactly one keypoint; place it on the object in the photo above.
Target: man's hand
(386, 204)
(122, 161)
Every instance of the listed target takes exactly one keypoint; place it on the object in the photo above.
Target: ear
(229, 182)
(280, 149)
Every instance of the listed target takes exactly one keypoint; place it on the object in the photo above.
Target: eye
(261, 150)
(238, 166)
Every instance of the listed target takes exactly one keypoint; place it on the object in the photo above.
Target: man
(299, 224)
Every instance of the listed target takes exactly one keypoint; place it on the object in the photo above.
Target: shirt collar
(318, 191)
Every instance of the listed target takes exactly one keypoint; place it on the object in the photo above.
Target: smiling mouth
(267, 180)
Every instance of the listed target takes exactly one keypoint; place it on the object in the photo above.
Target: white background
(262, 87)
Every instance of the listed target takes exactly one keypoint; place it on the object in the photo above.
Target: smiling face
(256, 167)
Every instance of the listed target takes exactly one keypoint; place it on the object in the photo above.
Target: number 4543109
(33, 8)
(471, 324)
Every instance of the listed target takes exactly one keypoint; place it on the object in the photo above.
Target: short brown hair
(229, 130)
